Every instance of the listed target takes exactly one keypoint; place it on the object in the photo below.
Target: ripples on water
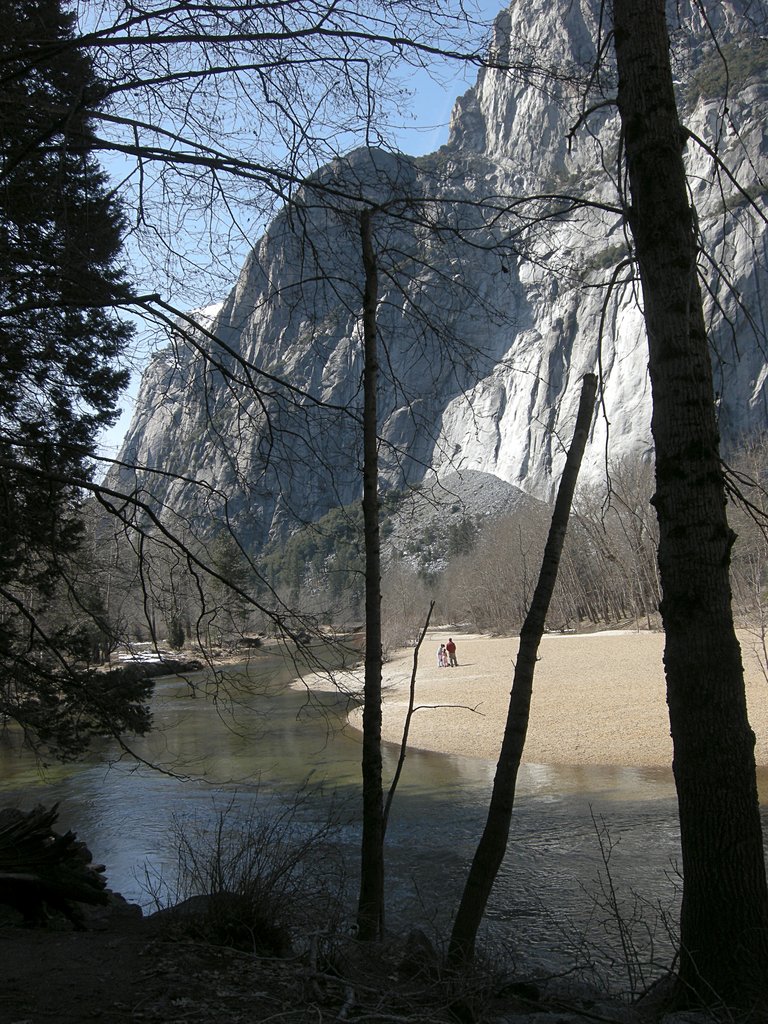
(544, 899)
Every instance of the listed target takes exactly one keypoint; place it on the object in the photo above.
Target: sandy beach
(598, 698)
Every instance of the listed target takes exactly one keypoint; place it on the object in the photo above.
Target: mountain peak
(490, 309)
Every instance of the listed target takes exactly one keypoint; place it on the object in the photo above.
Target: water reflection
(272, 738)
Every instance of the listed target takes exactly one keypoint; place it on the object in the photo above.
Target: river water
(263, 740)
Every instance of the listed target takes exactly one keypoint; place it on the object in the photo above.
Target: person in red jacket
(451, 648)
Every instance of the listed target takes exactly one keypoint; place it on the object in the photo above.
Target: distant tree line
(608, 573)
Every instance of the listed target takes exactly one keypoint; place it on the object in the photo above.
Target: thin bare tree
(493, 842)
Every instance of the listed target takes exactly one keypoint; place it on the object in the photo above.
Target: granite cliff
(490, 309)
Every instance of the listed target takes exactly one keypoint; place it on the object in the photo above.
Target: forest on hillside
(479, 570)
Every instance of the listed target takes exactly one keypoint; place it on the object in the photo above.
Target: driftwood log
(42, 870)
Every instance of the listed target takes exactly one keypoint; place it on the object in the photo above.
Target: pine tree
(60, 337)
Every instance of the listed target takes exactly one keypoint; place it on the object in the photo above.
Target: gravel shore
(598, 698)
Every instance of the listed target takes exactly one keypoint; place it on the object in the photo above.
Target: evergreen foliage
(60, 242)
(326, 558)
(728, 69)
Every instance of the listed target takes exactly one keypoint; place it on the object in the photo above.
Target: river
(264, 741)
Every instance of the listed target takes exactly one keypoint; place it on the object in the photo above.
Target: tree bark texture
(724, 915)
(370, 912)
(493, 842)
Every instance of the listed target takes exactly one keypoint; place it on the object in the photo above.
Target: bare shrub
(257, 877)
(405, 601)
(641, 935)
(748, 517)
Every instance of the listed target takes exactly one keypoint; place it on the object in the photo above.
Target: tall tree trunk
(370, 911)
(724, 916)
(493, 842)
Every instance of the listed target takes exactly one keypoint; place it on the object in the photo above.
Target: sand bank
(598, 698)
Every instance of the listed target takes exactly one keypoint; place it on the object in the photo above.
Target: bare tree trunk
(493, 843)
(724, 917)
(370, 911)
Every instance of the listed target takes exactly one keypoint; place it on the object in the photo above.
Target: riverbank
(598, 698)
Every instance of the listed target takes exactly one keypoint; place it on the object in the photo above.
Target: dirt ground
(126, 971)
(117, 973)
(51, 976)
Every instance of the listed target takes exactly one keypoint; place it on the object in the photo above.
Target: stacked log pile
(42, 870)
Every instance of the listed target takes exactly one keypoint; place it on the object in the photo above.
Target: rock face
(490, 309)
